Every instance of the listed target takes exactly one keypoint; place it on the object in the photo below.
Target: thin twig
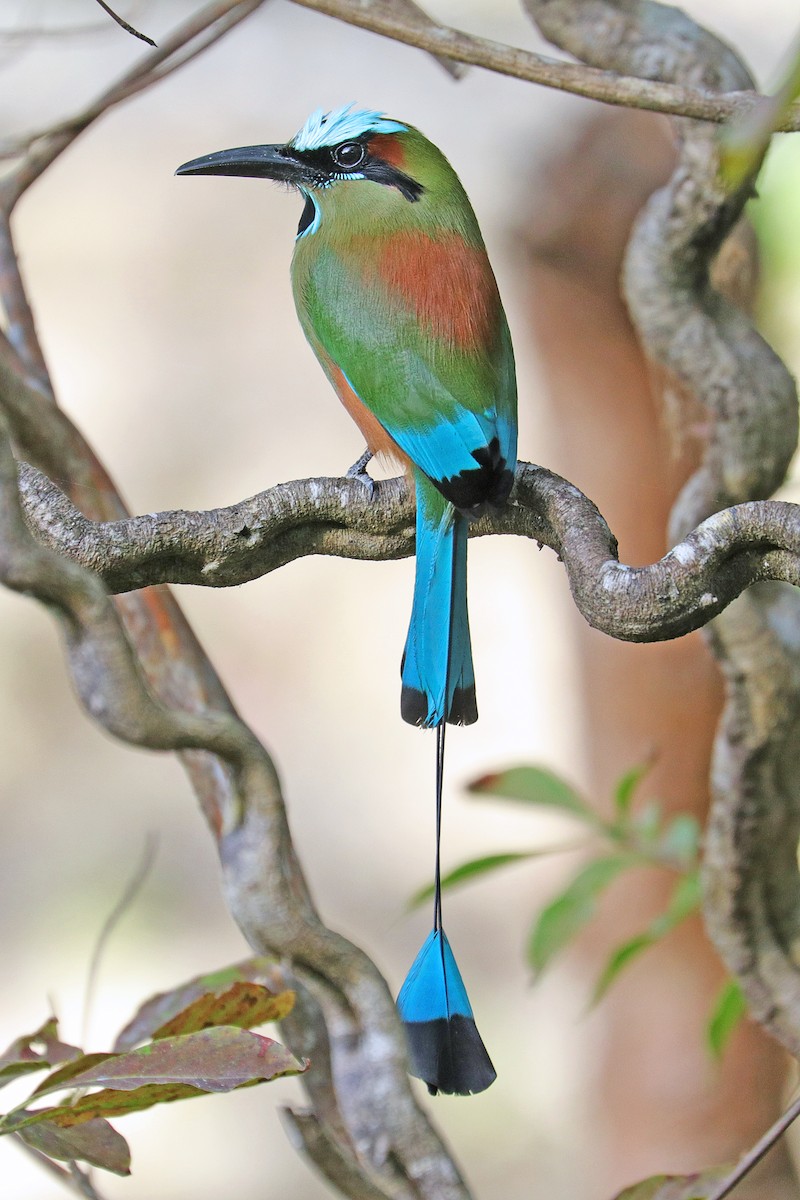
(754, 1156)
(124, 24)
(41, 149)
(20, 323)
(83, 1183)
(129, 894)
(74, 1178)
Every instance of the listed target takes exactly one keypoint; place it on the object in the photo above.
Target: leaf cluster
(194, 1039)
(636, 834)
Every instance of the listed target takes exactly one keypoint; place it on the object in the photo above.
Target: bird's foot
(359, 471)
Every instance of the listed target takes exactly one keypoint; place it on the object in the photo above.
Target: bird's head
(333, 148)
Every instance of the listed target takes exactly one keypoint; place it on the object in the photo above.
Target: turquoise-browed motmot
(395, 294)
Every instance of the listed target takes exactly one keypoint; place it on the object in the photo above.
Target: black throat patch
(307, 216)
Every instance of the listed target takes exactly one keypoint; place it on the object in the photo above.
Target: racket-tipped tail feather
(444, 1046)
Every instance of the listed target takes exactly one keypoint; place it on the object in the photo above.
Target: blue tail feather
(445, 1048)
(437, 672)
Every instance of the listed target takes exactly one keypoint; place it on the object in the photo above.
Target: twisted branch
(226, 547)
(140, 671)
(710, 351)
(354, 1022)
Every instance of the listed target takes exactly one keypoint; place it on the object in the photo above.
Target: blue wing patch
(471, 456)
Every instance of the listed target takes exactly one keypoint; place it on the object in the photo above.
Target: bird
(397, 298)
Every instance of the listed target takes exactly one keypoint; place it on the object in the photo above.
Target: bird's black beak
(258, 162)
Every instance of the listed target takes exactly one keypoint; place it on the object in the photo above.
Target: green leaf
(211, 1060)
(729, 1008)
(684, 900)
(64, 1075)
(243, 1005)
(626, 789)
(111, 1102)
(155, 1013)
(35, 1052)
(618, 960)
(646, 823)
(676, 1187)
(214, 1060)
(566, 915)
(680, 841)
(117, 1103)
(534, 785)
(469, 870)
(94, 1142)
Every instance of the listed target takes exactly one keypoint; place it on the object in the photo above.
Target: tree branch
(368, 1132)
(264, 884)
(628, 90)
(226, 547)
(709, 351)
(166, 694)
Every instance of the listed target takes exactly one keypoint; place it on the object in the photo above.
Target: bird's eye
(349, 155)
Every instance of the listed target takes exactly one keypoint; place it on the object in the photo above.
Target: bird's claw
(359, 471)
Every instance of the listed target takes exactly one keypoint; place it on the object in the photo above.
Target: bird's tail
(437, 673)
(444, 1046)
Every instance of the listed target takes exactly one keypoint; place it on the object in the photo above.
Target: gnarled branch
(369, 1133)
(141, 672)
(224, 547)
(264, 882)
(711, 352)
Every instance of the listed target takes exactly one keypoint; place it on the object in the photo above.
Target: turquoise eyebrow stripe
(331, 128)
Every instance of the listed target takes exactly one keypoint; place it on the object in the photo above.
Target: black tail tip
(449, 1056)
(414, 707)
(464, 709)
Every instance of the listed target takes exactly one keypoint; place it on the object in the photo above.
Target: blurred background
(165, 311)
